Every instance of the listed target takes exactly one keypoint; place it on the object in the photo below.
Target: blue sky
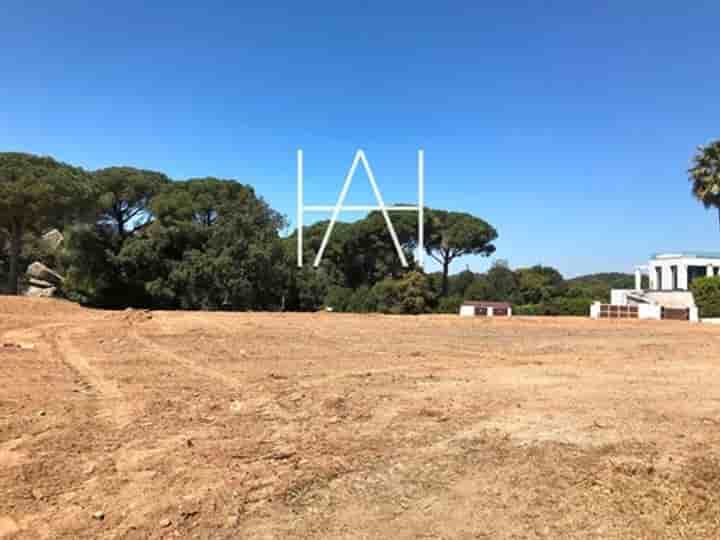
(568, 125)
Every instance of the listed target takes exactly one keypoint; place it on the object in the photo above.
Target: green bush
(527, 309)
(556, 307)
(451, 304)
(362, 300)
(338, 298)
(706, 291)
(410, 294)
(571, 306)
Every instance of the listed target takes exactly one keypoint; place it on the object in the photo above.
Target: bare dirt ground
(225, 425)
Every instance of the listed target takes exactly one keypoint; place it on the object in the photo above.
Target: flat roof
(687, 254)
(500, 305)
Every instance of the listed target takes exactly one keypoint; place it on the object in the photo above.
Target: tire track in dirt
(116, 405)
(184, 361)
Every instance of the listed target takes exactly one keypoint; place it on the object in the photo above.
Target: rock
(52, 239)
(37, 292)
(41, 413)
(165, 523)
(99, 516)
(37, 494)
(282, 454)
(236, 407)
(40, 283)
(39, 271)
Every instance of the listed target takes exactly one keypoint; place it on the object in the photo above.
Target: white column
(683, 277)
(709, 271)
(666, 277)
(638, 279)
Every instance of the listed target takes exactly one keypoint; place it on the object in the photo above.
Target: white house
(669, 279)
(675, 271)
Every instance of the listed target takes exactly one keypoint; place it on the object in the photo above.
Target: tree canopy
(37, 192)
(133, 237)
(705, 176)
(454, 234)
(124, 196)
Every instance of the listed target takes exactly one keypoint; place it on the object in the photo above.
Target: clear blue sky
(568, 125)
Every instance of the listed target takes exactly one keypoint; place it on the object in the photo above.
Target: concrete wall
(674, 299)
(649, 311)
(618, 297)
(646, 311)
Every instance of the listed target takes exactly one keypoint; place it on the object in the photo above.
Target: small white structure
(485, 309)
(668, 293)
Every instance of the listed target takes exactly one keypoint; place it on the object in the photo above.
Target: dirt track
(197, 425)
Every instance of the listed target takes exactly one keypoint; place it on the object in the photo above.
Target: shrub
(527, 309)
(338, 298)
(409, 294)
(706, 291)
(556, 307)
(450, 304)
(572, 306)
(362, 300)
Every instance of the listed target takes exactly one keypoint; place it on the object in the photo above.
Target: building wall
(678, 299)
(682, 263)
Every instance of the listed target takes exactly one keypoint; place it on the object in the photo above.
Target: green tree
(538, 284)
(369, 255)
(37, 193)
(125, 193)
(458, 284)
(219, 245)
(450, 304)
(501, 283)
(410, 294)
(705, 176)
(454, 234)
(706, 291)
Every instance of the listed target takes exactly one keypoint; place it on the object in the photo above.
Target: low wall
(643, 311)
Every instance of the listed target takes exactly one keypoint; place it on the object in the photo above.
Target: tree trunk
(119, 217)
(15, 248)
(446, 271)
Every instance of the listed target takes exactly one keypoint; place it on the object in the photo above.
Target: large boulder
(40, 283)
(53, 239)
(40, 292)
(38, 270)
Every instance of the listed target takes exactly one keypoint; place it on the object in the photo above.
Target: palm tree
(705, 176)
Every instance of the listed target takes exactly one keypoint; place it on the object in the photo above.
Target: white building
(669, 276)
(675, 271)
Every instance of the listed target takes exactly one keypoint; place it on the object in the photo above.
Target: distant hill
(597, 286)
(615, 280)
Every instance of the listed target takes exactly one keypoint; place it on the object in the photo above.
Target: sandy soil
(224, 425)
